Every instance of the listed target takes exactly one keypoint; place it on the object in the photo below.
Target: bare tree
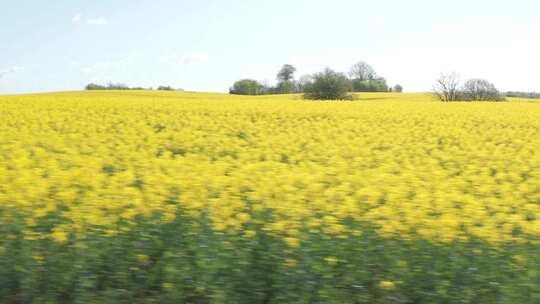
(362, 71)
(447, 86)
(303, 82)
(481, 89)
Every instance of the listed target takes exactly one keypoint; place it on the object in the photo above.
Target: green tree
(286, 73)
(285, 78)
(376, 85)
(285, 87)
(328, 85)
(398, 88)
(247, 87)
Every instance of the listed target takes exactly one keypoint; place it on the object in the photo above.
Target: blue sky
(206, 45)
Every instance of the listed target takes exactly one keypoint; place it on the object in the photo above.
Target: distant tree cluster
(532, 95)
(327, 84)
(364, 79)
(166, 88)
(397, 89)
(112, 86)
(285, 85)
(247, 87)
(448, 87)
(123, 87)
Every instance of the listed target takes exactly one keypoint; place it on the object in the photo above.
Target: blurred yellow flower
(292, 242)
(387, 285)
(409, 167)
(59, 235)
(331, 260)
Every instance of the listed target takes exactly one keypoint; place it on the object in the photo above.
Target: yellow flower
(250, 233)
(387, 285)
(142, 258)
(331, 260)
(38, 258)
(167, 285)
(59, 235)
(292, 242)
(291, 262)
(519, 259)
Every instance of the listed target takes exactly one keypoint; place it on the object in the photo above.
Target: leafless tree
(362, 71)
(447, 86)
(303, 82)
(480, 89)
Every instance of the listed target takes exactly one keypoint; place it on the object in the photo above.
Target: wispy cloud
(76, 17)
(108, 65)
(97, 21)
(5, 72)
(190, 58)
(195, 58)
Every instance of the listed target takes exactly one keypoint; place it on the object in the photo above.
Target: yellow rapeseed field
(412, 168)
(166, 197)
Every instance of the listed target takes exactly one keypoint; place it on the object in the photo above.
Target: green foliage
(286, 73)
(328, 85)
(285, 87)
(247, 87)
(185, 261)
(369, 85)
(365, 79)
(397, 88)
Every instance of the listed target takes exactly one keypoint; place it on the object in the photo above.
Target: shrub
(247, 87)
(328, 85)
(165, 88)
(93, 86)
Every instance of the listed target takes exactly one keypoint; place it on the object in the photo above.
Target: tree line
(531, 95)
(123, 87)
(361, 78)
(329, 84)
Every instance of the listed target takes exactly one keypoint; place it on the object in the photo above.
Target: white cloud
(108, 65)
(195, 58)
(97, 21)
(5, 72)
(76, 17)
(190, 58)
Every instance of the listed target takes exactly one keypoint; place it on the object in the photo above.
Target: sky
(206, 45)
